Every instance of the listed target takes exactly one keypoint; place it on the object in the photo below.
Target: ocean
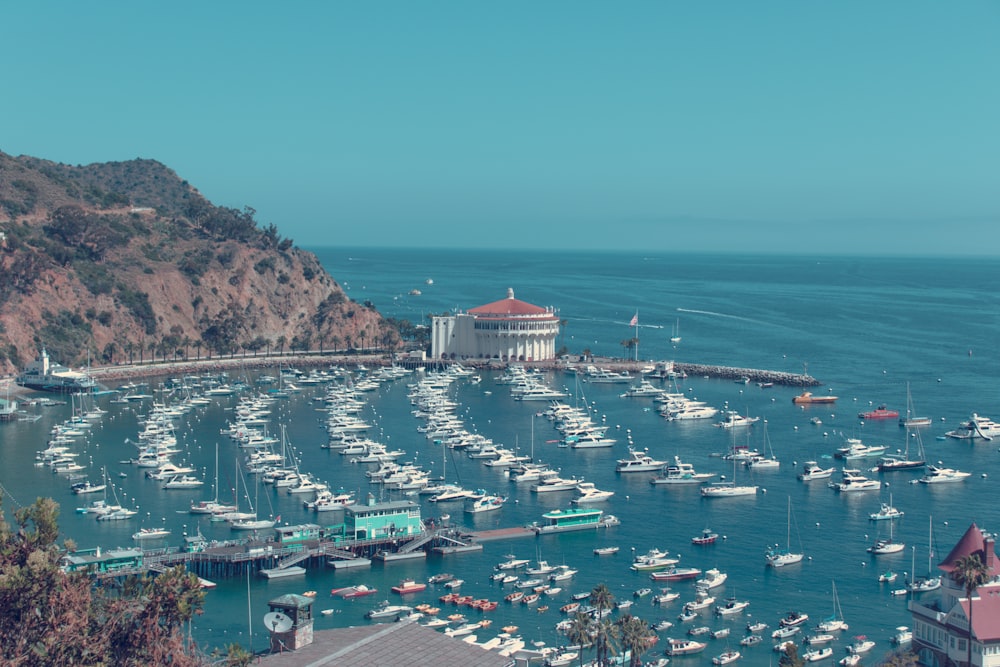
(867, 328)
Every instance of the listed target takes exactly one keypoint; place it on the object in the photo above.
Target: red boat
(353, 592)
(408, 586)
(881, 412)
(706, 537)
(675, 574)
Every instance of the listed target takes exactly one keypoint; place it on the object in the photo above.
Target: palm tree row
(629, 633)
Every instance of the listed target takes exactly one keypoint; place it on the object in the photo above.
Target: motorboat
(812, 470)
(590, 494)
(638, 461)
(605, 551)
(731, 607)
(940, 475)
(712, 579)
(852, 481)
(726, 657)
(793, 619)
(150, 534)
(861, 645)
(814, 655)
(675, 574)
(386, 610)
(903, 636)
(727, 489)
(706, 537)
(886, 512)
(681, 473)
(736, 420)
(684, 646)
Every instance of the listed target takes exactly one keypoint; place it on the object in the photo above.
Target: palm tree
(581, 632)
(636, 637)
(602, 599)
(970, 572)
(607, 641)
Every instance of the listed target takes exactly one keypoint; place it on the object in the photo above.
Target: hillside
(125, 260)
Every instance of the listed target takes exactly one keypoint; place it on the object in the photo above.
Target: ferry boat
(574, 518)
(43, 374)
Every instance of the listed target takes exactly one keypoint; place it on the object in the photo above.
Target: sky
(733, 126)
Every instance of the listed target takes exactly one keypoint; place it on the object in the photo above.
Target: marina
(835, 527)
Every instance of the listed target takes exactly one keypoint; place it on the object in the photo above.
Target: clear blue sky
(851, 126)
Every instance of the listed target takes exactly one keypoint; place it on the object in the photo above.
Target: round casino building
(508, 329)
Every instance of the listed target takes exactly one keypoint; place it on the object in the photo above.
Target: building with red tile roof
(941, 623)
(507, 330)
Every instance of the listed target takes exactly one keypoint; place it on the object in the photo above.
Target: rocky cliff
(122, 261)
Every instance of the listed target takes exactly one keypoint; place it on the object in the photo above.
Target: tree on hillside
(52, 617)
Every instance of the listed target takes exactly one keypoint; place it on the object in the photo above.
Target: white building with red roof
(508, 330)
(941, 623)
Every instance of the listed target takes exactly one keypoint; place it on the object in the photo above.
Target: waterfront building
(508, 329)
(397, 518)
(941, 622)
(97, 561)
(299, 533)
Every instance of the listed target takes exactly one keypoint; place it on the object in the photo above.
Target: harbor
(658, 509)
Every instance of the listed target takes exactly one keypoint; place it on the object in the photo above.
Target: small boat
(887, 577)
(785, 632)
(440, 578)
(699, 631)
(886, 513)
(327, 612)
(605, 551)
(721, 633)
(454, 583)
(712, 579)
(817, 654)
(570, 608)
(726, 657)
(903, 636)
(812, 470)
(861, 645)
(793, 618)
(819, 638)
(665, 597)
(754, 627)
(684, 646)
(731, 607)
(663, 625)
(851, 660)
(642, 592)
(751, 640)
(706, 537)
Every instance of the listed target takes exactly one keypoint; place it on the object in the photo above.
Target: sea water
(865, 327)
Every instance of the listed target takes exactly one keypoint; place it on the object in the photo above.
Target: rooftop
(385, 644)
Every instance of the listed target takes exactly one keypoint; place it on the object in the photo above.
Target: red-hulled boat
(881, 412)
(353, 592)
(706, 537)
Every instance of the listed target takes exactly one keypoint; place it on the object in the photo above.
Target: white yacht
(852, 480)
(590, 494)
(811, 470)
(939, 475)
(639, 462)
(681, 473)
(976, 427)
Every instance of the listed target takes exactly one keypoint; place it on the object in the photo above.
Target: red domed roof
(509, 307)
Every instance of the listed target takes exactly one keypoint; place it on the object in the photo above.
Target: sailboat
(884, 546)
(903, 461)
(676, 337)
(836, 620)
(778, 557)
(723, 488)
(927, 583)
(213, 506)
(910, 419)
